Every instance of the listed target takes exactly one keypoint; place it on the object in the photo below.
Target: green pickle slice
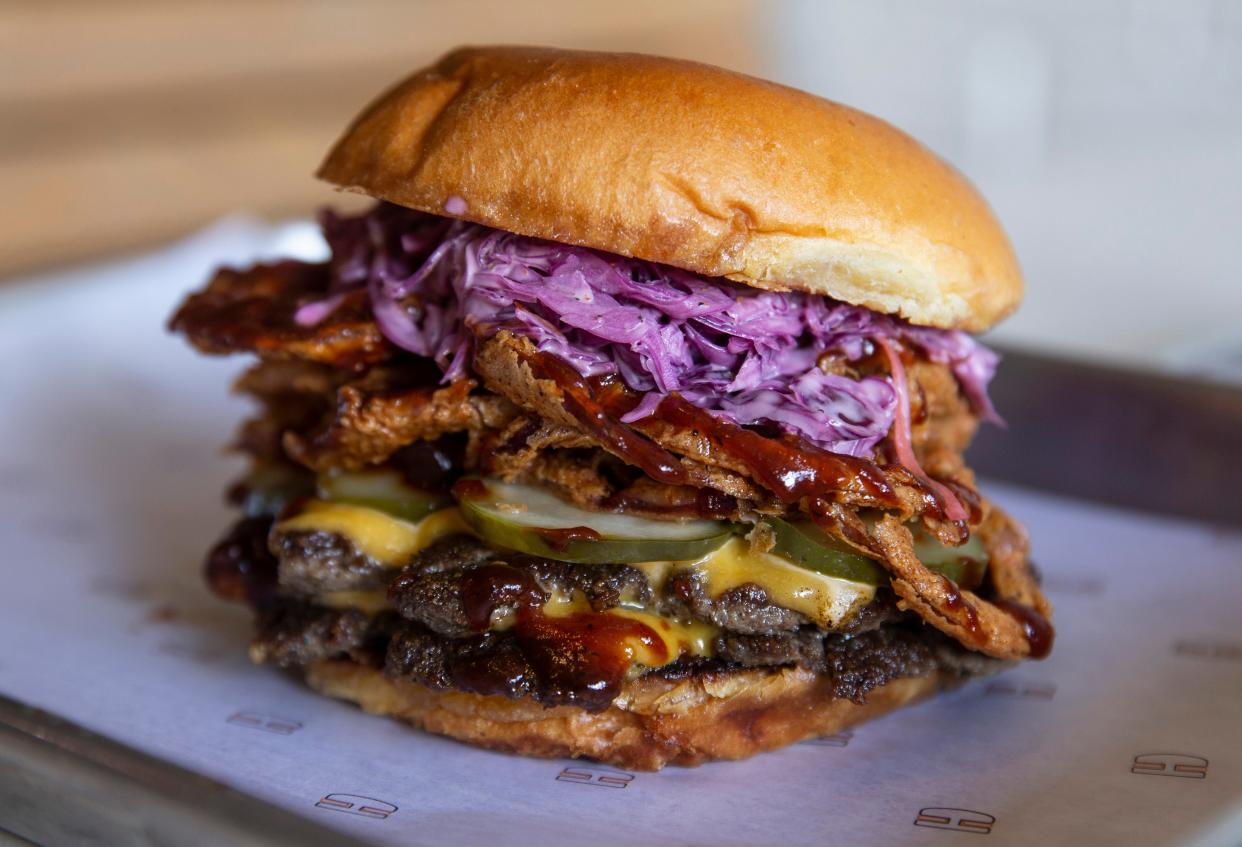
(805, 544)
(385, 490)
(535, 521)
(966, 565)
(268, 487)
(531, 520)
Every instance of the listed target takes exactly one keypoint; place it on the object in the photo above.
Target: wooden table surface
(130, 122)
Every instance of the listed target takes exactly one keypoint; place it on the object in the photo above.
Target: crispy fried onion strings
(974, 621)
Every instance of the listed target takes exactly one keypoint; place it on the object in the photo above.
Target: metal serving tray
(1129, 438)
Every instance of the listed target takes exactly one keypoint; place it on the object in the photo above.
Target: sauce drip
(955, 602)
(240, 568)
(597, 415)
(1039, 632)
(560, 539)
(580, 659)
(486, 588)
(583, 658)
(789, 466)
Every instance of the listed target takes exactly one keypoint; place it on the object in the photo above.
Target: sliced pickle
(532, 520)
(268, 487)
(965, 565)
(381, 489)
(805, 544)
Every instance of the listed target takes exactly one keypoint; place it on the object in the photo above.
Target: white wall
(1107, 136)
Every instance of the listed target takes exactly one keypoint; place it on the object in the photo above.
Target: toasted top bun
(690, 165)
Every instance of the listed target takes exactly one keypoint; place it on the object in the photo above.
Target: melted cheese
(377, 534)
(690, 639)
(826, 600)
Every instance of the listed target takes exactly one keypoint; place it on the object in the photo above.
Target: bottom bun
(653, 723)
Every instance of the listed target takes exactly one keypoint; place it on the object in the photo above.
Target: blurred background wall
(125, 122)
(1107, 134)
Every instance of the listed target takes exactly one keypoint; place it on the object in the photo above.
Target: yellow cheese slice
(826, 600)
(377, 534)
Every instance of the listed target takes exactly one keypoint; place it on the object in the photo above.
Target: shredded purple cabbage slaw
(748, 355)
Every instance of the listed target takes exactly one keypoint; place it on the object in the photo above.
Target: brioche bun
(690, 165)
(654, 722)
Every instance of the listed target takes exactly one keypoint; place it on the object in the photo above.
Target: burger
(628, 424)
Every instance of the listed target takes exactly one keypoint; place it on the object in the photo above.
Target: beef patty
(431, 638)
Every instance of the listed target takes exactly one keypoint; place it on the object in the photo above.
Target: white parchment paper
(110, 481)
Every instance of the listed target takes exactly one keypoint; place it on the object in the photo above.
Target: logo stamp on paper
(1026, 689)
(600, 777)
(839, 739)
(1181, 765)
(265, 723)
(1227, 651)
(357, 804)
(959, 820)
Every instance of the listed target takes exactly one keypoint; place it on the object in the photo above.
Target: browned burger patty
(429, 639)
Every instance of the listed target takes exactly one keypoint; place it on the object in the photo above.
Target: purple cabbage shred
(747, 355)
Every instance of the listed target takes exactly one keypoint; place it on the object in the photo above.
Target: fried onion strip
(974, 621)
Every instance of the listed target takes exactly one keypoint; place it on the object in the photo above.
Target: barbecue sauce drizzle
(560, 539)
(1037, 629)
(240, 567)
(581, 659)
(953, 599)
(1039, 632)
(580, 400)
(789, 466)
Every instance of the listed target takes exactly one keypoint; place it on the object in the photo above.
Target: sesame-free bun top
(690, 165)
